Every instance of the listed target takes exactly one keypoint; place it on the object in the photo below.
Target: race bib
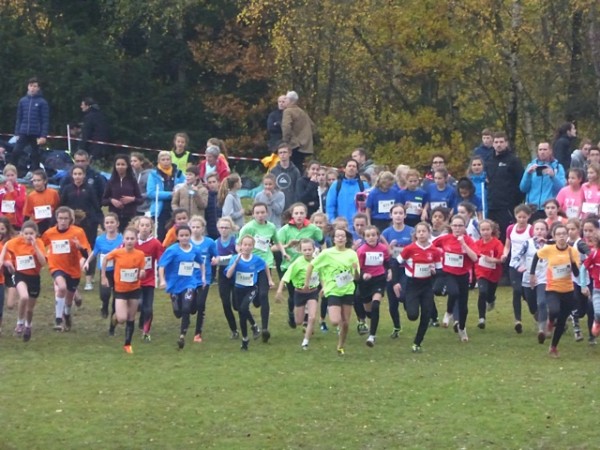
(61, 247)
(343, 279)
(384, 206)
(314, 280)
(373, 259)
(129, 275)
(110, 264)
(433, 205)
(589, 208)
(224, 260)
(8, 206)
(244, 279)
(561, 271)
(572, 212)
(396, 251)
(186, 269)
(453, 260)
(422, 271)
(25, 262)
(414, 208)
(42, 212)
(147, 262)
(261, 243)
(483, 262)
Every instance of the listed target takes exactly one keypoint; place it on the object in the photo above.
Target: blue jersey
(225, 251)
(475, 200)
(380, 203)
(445, 198)
(103, 247)
(414, 202)
(208, 248)
(179, 268)
(402, 238)
(246, 272)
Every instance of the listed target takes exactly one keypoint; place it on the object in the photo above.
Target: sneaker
(198, 338)
(244, 345)
(518, 327)
(104, 313)
(266, 335)
(578, 335)
(550, 327)
(435, 323)
(395, 334)
(446, 320)
(89, 286)
(27, 334)
(462, 335)
(416, 348)
(490, 306)
(292, 322)
(592, 340)
(596, 328)
(362, 328)
(146, 337)
(255, 331)
(481, 324)
(340, 351)
(455, 326)
(541, 336)
(181, 342)
(67, 321)
(19, 329)
(371, 341)
(304, 346)
(58, 324)
(234, 335)
(553, 352)
(324, 328)
(78, 300)
(128, 349)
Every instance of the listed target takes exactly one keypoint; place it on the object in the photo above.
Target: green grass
(501, 390)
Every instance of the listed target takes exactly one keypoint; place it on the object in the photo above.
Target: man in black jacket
(95, 128)
(565, 135)
(274, 124)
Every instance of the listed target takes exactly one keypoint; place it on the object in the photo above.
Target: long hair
(226, 185)
(128, 171)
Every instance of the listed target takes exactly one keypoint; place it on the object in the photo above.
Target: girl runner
(128, 270)
(552, 209)
(413, 198)
(273, 198)
(41, 202)
(319, 219)
(338, 268)
(488, 268)
(226, 250)
(229, 200)
(570, 198)
(359, 223)
(12, 197)
(6, 281)
(24, 257)
(590, 229)
(381, 199)
(180, 217)
(591, 191)
(575, 241)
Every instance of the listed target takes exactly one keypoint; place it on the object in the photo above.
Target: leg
(147, 308)
(566, 303)
(425, 301)
(225, 293)
(263, 294)
(393, 306)
(291, 309)
(311, 308)
(463, 301)
(375, 314)
(516, 282)
(482, 299)
(345, 314)
(131, 306)
(201, 294)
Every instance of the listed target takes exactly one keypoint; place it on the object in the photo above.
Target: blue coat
(165, 189)
(539, 188)
(343, 204)
(33, 116)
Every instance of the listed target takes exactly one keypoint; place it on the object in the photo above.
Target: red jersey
(454, 260)
(153, 250)
(486, 270)
(13, 203)
(373, 260)
(592, 264)
(418, 261)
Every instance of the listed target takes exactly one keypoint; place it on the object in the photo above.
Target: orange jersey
(558, 273)
(62, 251)
(12, 204)
(128, 265)
(23, 256)
(171, 237)
(41, 205)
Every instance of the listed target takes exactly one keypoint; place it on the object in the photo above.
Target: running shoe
(103, 313)
(255, 331)
(181, 342)
(304, 346)
(578, 335)
(78, 300)
(481, 324)
(19, 329)
(416, 348)
(371, 341)
(146, 337)
(27, 334)
(244, 345)
(128, 349)
(491, 306)
(292, 322)
(67, 321)
(541, 336)
(324, 328)
(234, 335)
(395, 334)
(58, 324)
(362, 328)
(446, 320)
(198, 338)
(89, 286)
(462, 335)
(596, 328)
(592, 340)
(340, 351)
(266, 335)
(553, 352)
(518, 327)
(435, 323)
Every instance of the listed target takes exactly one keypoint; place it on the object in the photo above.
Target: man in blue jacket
(342, 195)
(31, 128)
(543, 178)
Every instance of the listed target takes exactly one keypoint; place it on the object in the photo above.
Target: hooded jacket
(33, 116)
(342, 203)
(504, 173)
(540, 187)
(157, 179)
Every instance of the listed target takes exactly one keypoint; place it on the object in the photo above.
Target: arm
(86, 264)
(331, 201)
(228, 208)
(525, 184)
(309, 271)
(286, 126)
(558, 180)
(176, 200)
(231, 269)
(161, 276)
(103, 273)
(468, 250)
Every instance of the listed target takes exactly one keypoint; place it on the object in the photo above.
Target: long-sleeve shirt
(232, 207)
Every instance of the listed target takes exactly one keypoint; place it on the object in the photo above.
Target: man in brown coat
(298, 130)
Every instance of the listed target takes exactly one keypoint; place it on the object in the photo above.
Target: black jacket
(307, 192)
(83, 198)
(92, 178)
(562, 151)
(274, 128)
(504, 172)
(95, 128)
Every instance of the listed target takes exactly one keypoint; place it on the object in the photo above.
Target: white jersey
(516, 243)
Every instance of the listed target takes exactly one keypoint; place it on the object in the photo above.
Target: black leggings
(516, 281)
(263, 299)
(487, 295)
(560, 306)
(419, 296)
(226, 294)
(584, 306)
(184, 305)
(458, 292)
(146, 308)
(201, 294)
(393, 301)
(244, 297)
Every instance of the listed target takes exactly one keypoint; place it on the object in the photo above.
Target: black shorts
(71, 282)
(334, 300)
(32, 281)
(136, 294)
(368, 288)
(301, 298)
(9, 281)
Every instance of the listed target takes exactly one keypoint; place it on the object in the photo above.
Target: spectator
(229, 199)
(93, 179)
(31, 128)
(565, 135)
(95, 128)
(212, 214)
(323, 188)
(192, 196)
(307, 188)
(345, 192)
(486, 148)
(297, 129)
(141, 167)
(594, 155)
(286, 174)
(273, 198)
(214, 163)
(122, 194)
(180, 155)
(365, 165)
(438, 161)
(274, 124)
(579, 157)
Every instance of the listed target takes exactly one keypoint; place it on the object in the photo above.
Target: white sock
(59, 306)
(27, 323)
(67, 310)
(304, 342)
(20, 321)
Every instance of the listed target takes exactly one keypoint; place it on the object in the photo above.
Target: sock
(304, 342)
(374, 318)
(59, 306)
(20, 321)
(27, 323)
(129, 328)
(67, 310)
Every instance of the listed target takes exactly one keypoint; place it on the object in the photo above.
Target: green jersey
(264, 235)
(335, 269)
(289, 233)
(296, 274)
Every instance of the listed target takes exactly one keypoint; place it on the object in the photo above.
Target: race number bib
(61, 247)
(422, 271)
(434, 205)
(261, 243)
(42, 212)
(343, 279)
(561, 271)
(25, 262)
(244, 279)
(414, 208)
(186, 269)
(8, 206)
(373, 259)
(147, 262)
(129, 275)
(110, 264)
(453, 260)
(384, 206)
(572, 212)
(314, 280)
(483, 262)
(224, 260)
(589, 208)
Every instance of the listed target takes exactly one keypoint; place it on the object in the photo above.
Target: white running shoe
(462, 334)
(447, 319)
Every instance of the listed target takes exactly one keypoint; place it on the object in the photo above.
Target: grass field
(501, 390)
